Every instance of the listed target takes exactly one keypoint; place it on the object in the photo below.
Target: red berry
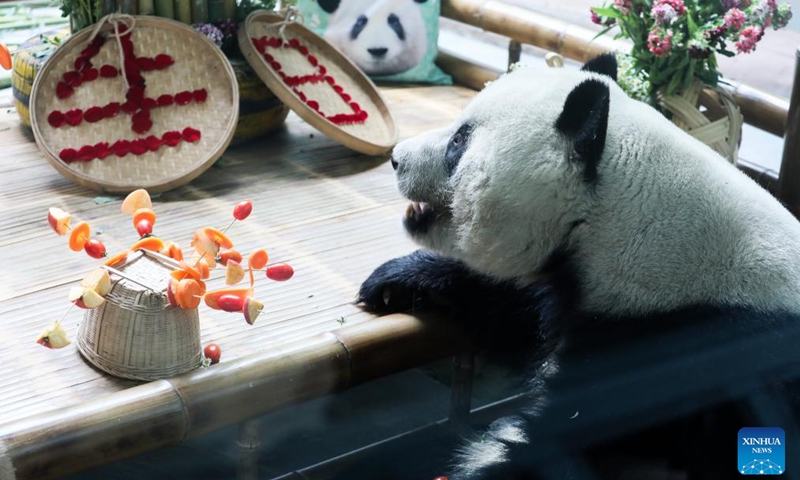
(95, 248)
(212, 352)
(231, 303)
(144, 227)
(242, 210)
(280, 272)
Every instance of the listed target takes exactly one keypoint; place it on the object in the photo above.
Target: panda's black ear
(329, 6)
(605, 64)
(584, 121)
(420, 1)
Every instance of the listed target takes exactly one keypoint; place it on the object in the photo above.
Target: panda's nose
(395, 164)
(378, 52)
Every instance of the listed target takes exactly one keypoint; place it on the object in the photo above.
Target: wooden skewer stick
(130, 279)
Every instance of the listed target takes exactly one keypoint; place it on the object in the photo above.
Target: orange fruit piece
(258, 259)
(153, 244)
(190, 270)
(189, 293)
(212, 298)
(229, 255)
(202, 267)
(219, 238)
(79, 236)
(172, 251)
(144, 214)
(117, 259)
(5, 57)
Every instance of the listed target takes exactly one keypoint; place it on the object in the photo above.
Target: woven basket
(709, 114)
(135, 334)
(198, 65)
(260, 111)
(30, 58)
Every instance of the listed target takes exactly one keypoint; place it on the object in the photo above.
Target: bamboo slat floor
(331, 213)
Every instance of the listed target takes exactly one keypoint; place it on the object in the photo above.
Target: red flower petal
(163, 61)
(362, 115)
(356, 107)
(183, 98)
(98, 41)
(82, 63)
(108, 71)
(269, 58)
(90, 51)
(190, 134)
(68, 155)
(129, 107)
(276, 66)
(165, 100)
(146, 64)
(111, 110)
(303, 50)
(135, 79)
(121, 147)
(153, 143)
(93, 114)
(139, 146)
(313, 104)
(89, 75)
(86, 153)
(72, 78)
(330, 80)
(63, 90)
(322, 70)
(127, 47)
(74, 116)
(148, 103)
(172, 138)
(142, 127)
(101, 150)
(135, 95)
(346, 97)
(200, 96)
(312, 60)
(274, 42)
(141, 116)
(302, 96)
(56, 119)
(294, 43)
(338, 89)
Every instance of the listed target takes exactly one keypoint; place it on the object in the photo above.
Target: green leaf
(673, 84)
(601, 33)
(692, 25)
(607, 12)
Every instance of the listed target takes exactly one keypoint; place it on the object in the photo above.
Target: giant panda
(556, 211)
(382, 37)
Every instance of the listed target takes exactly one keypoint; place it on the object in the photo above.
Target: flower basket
(136, 334)
(709, 114)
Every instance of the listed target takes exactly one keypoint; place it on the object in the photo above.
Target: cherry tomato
(242, 210)
(212, 352)
(95, 248)
(280, 272)
(144, 227)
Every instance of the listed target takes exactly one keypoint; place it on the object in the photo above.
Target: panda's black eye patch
(358, 27)
(394, 24)
(456, 147)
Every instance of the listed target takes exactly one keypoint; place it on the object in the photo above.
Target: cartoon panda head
(382, 37)
(552, 165)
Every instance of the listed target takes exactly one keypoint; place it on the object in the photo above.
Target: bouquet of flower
(675, 41)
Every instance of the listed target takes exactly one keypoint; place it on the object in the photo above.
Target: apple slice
(171, 284)
(212, 298)
(203, 245)
(79, 236)
(58, 220)
(135, 200)
(54, 336)
(230, 303)
(85, 298)
(252, 308)
(76, 296)
(234, 273)
(98, 280)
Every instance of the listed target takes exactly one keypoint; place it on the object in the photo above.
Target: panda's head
(382, 37)
(504, 186)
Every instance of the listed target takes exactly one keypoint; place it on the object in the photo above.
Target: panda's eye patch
(394, 23)
(358, 27)
(456, 147)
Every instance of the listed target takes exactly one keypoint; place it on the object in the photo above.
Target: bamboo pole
(166, 412)
(760, 109)
(789, 187)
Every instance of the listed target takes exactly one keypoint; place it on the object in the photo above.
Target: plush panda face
(546, 162)
(383, 37)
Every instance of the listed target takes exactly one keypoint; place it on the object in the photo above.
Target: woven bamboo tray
(135, 334)
(198, 65)
(373, 135)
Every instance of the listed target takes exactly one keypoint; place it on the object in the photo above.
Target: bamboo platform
(329, 212)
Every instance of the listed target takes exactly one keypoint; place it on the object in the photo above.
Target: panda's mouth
(419, 216)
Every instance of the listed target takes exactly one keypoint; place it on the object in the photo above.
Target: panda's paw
(388, 289)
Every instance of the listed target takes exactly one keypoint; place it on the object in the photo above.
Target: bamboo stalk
(216, 10)
(165, 8)
(760, 109)
(146, 7)
(166, 412)
(130, 7)
(183, 11)
(229, 9)
(199, 11)
(789, 188)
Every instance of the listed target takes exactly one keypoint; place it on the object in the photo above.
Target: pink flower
(676, 5)
(623, 6)
(663, 13)
(596, 18)
(748, 39)
(659, 43)
(735, 19)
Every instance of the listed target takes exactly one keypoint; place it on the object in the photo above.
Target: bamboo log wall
(760, 109)
(166, 412)
(789, 188)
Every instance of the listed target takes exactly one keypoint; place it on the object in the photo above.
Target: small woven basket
(135, 334)
(709, 114)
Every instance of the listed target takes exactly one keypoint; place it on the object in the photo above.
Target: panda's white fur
(668, 224)
(376, 46)
(529, 228)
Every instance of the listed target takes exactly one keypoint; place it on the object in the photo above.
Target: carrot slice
(172, 251)
(258, 259)
(117, 259)
(203, 244)
(154, 244)
(202, 267)
(229, 255)
(5, 57)
(189, 293)
(219, 238)
(144, 214)
(79, 236)
(211, 298)
(190, 270)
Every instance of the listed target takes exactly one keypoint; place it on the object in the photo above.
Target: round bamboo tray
(136, 334)
(197, 66)
(32, 55)
(260, 110)
(328, 91)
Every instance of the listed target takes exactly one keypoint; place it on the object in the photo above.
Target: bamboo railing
(167, 412)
